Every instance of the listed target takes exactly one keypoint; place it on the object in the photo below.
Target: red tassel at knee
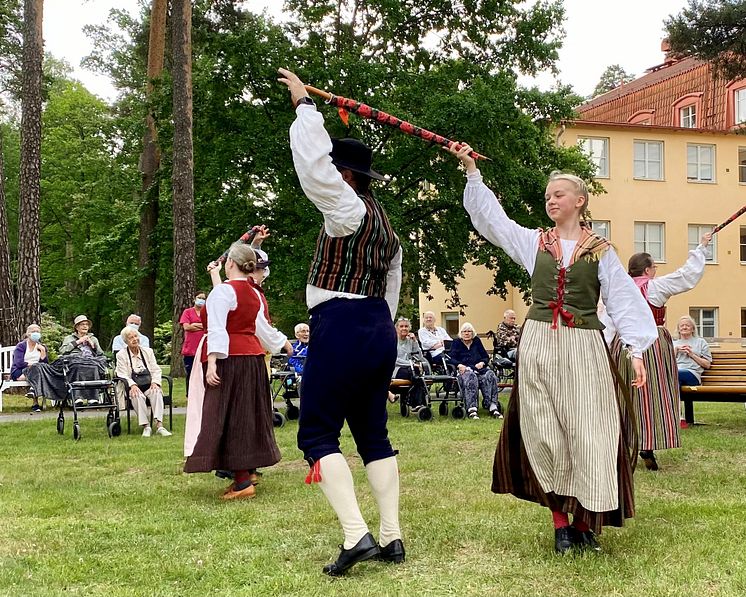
(314, 474)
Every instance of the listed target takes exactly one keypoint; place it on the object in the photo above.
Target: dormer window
(686, 111)
(740, 106)
(688, 117)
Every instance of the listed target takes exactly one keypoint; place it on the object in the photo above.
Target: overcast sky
(599, 33)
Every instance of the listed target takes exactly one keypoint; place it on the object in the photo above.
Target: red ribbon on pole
(729, 220)
(344, 105)
(246, 238)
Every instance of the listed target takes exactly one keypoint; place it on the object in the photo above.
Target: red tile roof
(659, 90)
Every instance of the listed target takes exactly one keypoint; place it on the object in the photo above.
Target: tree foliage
(445, 65)
(611, 78)
(714, 31)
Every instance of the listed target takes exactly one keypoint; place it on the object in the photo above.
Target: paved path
(51, 413)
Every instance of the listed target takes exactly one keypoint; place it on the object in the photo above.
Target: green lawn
(115, 517)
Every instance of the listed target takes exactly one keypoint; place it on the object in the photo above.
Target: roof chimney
(666, 49)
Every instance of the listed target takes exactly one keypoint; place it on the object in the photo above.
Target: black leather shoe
(393, 552)
(564, 539)
(586, 540)
(365, 549)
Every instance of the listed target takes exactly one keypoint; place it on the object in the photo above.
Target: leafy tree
(714, 31)
(611, 78)
(447, 66)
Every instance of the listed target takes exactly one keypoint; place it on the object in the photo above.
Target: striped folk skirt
(657, 402)
(564, 443)
(236, 431)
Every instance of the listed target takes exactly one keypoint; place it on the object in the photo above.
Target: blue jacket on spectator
(460, 355)
(299, 350)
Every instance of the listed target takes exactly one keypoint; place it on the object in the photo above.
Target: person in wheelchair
(409, 364)
(505, 340)
(471, 359)
(300, 347)
(434, 340)
(86, 359)
(138, 369)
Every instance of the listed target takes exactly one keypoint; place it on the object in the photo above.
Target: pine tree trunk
(9, 332)
(150, 160)
(30, 179)
(183, 175)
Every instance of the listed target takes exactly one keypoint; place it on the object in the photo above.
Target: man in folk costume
(564, 443)
(352, 295)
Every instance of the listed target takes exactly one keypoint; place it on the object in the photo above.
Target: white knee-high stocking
(336, 483)
(383, 476)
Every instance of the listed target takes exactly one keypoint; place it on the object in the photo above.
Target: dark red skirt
(237, 432)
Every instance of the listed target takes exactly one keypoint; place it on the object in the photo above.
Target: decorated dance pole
(345, 105)
(245, 238)
(729, 220)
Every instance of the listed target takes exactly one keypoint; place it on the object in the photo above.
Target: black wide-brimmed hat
(354, 155)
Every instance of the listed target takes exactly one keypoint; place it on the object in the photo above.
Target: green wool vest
(566, 296)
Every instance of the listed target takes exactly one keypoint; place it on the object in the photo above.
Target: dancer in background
(657, 402)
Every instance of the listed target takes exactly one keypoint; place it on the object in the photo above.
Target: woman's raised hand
(462, 153)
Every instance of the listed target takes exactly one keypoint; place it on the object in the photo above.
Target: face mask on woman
(35, 336)
(134, 326)
(199, 302)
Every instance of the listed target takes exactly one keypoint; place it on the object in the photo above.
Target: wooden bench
(724, 381)
(6, 361)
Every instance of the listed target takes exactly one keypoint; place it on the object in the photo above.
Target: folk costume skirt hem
(657, 403)
(236, 430)
(564, 443)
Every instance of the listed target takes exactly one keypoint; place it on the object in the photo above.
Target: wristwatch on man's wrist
(304, 100)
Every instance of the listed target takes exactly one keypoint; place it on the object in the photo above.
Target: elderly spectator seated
(693, 354)
(432, 338)
(409, 359)
(29, 353)
(134, 321)
(137, 367)
(300, 347)
(81, 359)
(470, 358)
(505, 341)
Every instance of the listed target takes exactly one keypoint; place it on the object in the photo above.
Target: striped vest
(357, 263)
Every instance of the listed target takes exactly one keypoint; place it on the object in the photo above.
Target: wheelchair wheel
(292, 412)
(443, 409)
(76, 431)
(458, 412)
(60, 425)
(425, 414)
(403, 407)
(278, 419)
(114, 428)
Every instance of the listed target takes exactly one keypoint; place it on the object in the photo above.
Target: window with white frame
(597, 148)
(648, 160)
(700, 162)
(650, 237)
(688, 117)
(742, 164)
(450, 323)
(706, 320)
(742, 246)
(602, 228)
(695, 232)
(740, 106)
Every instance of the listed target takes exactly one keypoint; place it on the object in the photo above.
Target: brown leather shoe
(242, 494)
